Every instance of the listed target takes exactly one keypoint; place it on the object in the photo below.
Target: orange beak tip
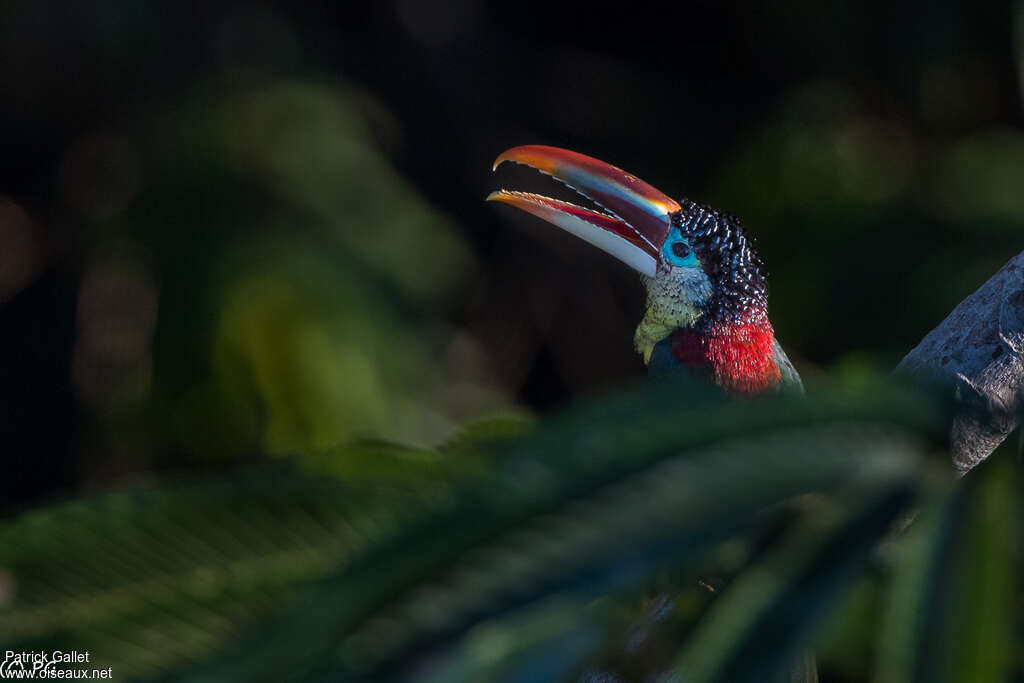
(506, 156)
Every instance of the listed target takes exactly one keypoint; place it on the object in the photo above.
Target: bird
(707, 295)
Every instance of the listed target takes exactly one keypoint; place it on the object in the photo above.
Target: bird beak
(634, 219)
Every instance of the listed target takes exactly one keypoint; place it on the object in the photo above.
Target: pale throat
(675, 298)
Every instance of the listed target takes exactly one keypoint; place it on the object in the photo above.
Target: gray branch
(977, 352)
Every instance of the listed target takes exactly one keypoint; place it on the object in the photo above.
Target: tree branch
(978, 353)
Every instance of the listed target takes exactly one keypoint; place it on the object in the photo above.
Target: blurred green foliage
(514, 553)
(309, 314)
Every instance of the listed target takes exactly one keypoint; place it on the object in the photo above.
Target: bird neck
(737, 353)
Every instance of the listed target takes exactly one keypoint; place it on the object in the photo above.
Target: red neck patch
(742, 356)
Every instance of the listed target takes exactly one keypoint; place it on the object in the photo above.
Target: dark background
(233, 231)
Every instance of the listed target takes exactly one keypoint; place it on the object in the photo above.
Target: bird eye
(681, 249)
(677, 252)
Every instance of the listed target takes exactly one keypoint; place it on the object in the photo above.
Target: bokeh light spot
(21, 253)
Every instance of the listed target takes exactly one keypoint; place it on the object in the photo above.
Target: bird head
(704, 281)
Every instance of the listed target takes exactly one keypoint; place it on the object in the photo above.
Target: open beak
(633, 220)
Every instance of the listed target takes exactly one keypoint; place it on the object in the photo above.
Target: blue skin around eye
(690, 261)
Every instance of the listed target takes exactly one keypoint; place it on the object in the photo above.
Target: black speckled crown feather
(740, 290)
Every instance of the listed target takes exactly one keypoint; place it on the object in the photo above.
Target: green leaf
(544, 642)
(594, 502)
(157, 576)
(951, 608)
(419, 546)
(757, 629)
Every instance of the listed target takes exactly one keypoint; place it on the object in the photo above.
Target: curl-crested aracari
(707, 297)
